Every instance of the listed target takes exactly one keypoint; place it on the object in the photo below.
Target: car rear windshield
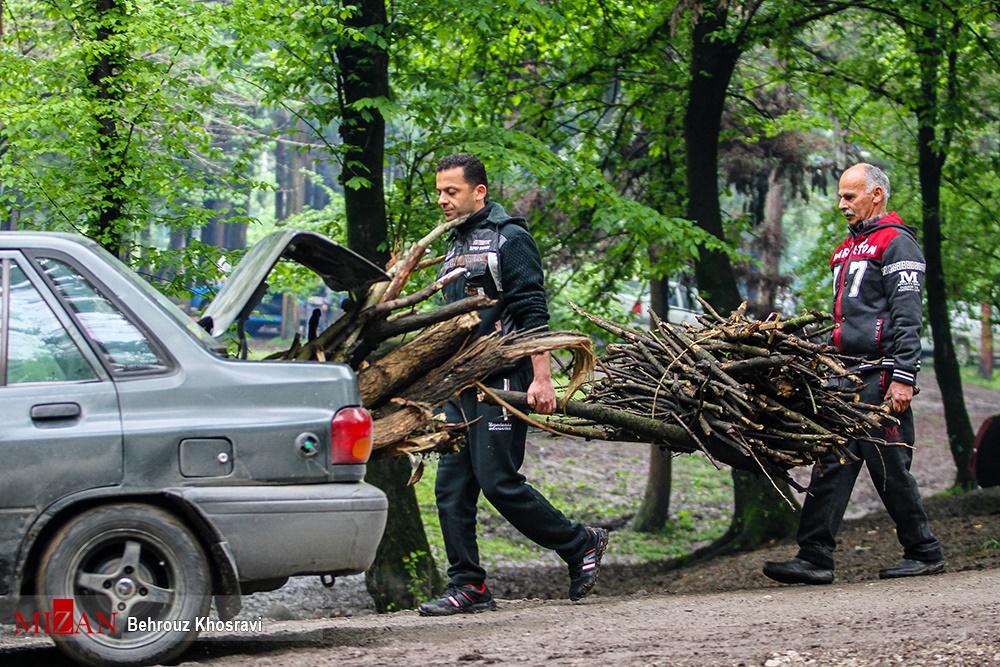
(123, 345)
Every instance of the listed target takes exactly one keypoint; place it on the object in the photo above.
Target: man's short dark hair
(473, 170)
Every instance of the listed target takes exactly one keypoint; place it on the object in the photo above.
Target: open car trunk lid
(340, 268)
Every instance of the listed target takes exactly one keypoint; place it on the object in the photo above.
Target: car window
(688, 301)
(39, 349)
(121, 343)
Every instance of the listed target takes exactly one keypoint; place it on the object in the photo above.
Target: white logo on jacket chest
(865, 249)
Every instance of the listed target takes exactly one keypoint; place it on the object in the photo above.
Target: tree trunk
(404, 572)
(281, 167)
(654, 511)
(364, 71)
(760, 514)
(760, 510)
(108, 228)
(986, 341)
(931, 162)
(771, 242)
(713, 59)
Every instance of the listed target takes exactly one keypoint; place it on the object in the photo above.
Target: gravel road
(947, 620)
(718, 613)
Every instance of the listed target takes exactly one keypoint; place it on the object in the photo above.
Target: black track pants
(889, 467)
(490, 464)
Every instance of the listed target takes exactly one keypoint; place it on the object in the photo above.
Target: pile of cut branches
(755, 395)
(412, 357)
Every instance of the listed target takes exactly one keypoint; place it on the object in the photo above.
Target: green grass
(970, 375)
(701, 510)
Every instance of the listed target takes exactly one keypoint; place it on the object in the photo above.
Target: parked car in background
(266, 319)
(263, 322)
(682, 306)
(146, 472)
(966, 335)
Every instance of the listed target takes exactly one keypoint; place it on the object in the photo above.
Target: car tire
(136, 561)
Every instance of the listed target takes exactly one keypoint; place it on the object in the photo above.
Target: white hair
(875, 177)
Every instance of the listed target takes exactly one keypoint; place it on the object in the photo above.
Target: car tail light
(352, 436)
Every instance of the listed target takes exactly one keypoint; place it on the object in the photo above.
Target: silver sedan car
(146, 472)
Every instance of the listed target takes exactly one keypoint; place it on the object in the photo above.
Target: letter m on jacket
(909, 281)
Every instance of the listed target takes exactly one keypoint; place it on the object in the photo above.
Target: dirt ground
(723, 612)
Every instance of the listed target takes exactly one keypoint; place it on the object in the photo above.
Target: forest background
(645, 142)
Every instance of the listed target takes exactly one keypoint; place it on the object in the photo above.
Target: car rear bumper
(283, 531)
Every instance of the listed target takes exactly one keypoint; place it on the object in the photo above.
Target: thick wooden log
(390, 375)
(413, 409)
(382, 330)
(413, 321)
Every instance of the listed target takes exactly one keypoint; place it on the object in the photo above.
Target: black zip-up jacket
(878, 275)
(502, 261)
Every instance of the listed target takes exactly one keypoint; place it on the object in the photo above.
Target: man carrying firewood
(502, 262)
(877, 277)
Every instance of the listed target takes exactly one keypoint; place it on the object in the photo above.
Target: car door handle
(53, 411)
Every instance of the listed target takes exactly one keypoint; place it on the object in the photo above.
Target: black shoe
(583, 575)
(911, 568)
(798, 571)
(467, 599)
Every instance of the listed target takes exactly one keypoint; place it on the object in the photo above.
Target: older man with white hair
(878, 273)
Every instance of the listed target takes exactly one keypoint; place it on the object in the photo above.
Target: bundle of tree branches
(411, 358)
(754, 395)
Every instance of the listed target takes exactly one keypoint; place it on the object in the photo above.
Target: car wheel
(135, 580)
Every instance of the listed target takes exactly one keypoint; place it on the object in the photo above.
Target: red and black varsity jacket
(878, 275)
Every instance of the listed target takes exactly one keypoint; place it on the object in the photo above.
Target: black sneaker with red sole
(466, 599)
(583, 575)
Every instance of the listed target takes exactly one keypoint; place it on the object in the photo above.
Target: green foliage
(419, 584)
(142, 123)
(953, 490)
(576, 108)
(175, 272)
(866, 73)
(106, 130)
(563, 127)
(702, 509)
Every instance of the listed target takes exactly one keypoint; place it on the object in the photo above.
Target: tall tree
(579, 81)
(108, 61)
(364, 84)
(721, 32)
(937, 51)
(330, 67)
(364, 81)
